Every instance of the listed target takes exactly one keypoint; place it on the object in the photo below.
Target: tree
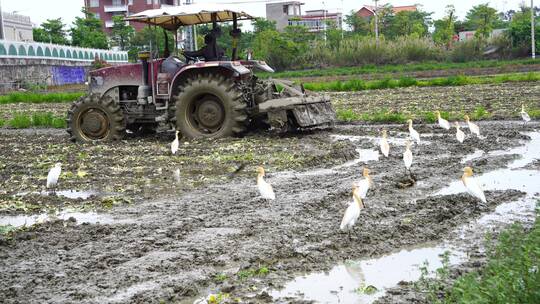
(445, 27)
(121, 33)
(483, 19)
(155, 37)
(357, 24)
(407, 23)
(87, 32)
(385, 21)
(51, 31)
(276, 49)
(261, 25)
(519, 30)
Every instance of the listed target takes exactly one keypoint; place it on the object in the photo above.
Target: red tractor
(205, 95)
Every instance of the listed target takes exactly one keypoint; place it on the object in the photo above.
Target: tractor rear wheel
(210, 106)
(95, 119)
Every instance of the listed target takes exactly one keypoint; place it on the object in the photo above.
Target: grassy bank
(399, 68)
(511, 275)
(31, 97)
(361, 85)
(39, 120)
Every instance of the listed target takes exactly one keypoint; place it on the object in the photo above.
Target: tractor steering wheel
(190, 58)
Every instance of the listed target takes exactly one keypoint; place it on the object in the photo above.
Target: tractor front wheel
(95, 119)
(210, 106)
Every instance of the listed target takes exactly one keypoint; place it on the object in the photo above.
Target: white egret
(459, 134)
(175, 144)
(524, 115)
(353, 212)
(364, 184)
(265, 189)
(54, 174)
(407, 156)
(472, 126)
(383, 143)
(443, 123)
(413, 133)
(470, 183)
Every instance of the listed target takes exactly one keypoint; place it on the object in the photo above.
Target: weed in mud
(249, 273)
(480, 113)
(47, 119)
(30, 97)
(20, 121)
(385, 115)
(347, 115)
(366, 289)
(218, 298)
(432, 286)
(534, 113)
(5, 229)
(2, 122)
(220, 277)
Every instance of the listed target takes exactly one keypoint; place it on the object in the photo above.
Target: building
(317, 20)
(290, 13)
(367, 11)
(106, 9)
(15, 27)
(283, 12)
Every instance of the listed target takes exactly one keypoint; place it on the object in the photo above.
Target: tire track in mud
(175, 247)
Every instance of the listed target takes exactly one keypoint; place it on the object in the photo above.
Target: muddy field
(499, 100)
(174, 229)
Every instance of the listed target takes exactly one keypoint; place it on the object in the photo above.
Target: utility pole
(2, 36)
(375, 13)
(324, 21)
(191, 34)
(533, 43)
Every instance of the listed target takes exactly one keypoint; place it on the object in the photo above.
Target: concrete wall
(17, 71)
(42, 63)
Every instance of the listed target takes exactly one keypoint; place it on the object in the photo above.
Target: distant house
(367, 11)
(316, 20)
(290, 13)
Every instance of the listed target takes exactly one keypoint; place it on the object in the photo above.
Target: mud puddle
(79, 217)
(346, 282)
(350, 281)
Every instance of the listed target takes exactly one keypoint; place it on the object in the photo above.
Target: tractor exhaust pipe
(144, 90)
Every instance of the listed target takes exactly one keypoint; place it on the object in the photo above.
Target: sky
(41, 10)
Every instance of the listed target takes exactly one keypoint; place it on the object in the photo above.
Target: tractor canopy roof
(173, 17)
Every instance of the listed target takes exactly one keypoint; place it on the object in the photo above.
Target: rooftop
(395, 9)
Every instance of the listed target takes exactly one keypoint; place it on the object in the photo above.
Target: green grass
(44, 120)
(387, 83)
(401, 68)
(30, 97)
(511, 275)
